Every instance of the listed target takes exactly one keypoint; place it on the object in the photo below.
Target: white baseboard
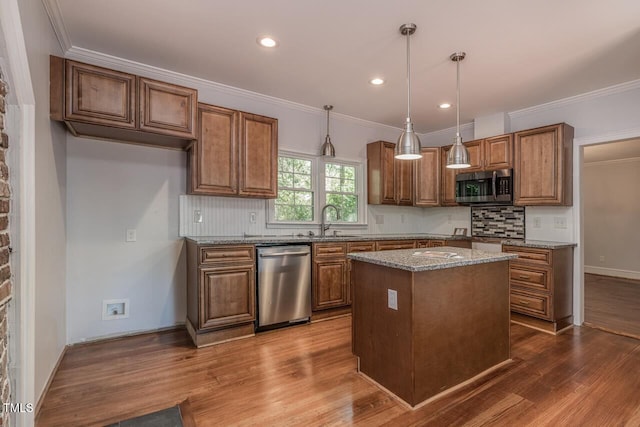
(627, 274)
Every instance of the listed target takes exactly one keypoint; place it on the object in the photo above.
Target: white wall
(611, 218)
(50, 193)
(113, 187)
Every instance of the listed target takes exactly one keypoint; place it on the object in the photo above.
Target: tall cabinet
(389, 181)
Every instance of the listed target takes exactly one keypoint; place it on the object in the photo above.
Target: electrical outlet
(601, 258)
(115, 309)
(197, 216)
(131, 235)
(392, 299)
(559, 222)
(537, 222)
(252, 217)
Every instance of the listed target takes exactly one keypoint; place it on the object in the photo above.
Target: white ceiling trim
(608, 137)
(55, 16)
(619, 88)
(612, 161)
(109, 61)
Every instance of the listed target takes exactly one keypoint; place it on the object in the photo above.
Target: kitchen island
(427, 320)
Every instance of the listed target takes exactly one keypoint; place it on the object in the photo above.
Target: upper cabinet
(235, 154)
(448, 180)
(427, 179)
(490, 153)
(103, 103)
(544, 166)
(389, 181)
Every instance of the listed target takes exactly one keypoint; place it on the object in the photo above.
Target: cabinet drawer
(531, 304)
(361, 247)
(223, 254)
(529, 255)
(323, 250)
(530, 277)
(395, 244)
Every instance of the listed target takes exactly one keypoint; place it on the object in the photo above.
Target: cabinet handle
(524, 302)
(525, 277)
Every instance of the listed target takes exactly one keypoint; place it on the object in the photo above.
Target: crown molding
(55, 16)
(611, 90)
(608, 137)
(109, 61)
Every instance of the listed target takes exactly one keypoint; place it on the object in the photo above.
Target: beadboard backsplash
(498, 221)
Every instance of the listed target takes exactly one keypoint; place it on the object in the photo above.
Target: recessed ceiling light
(377, 81)
(444, 105)
(267, 41)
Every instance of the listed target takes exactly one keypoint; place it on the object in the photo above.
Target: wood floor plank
(306, 376)
(612, 304)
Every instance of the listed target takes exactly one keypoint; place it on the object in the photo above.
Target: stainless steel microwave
(487, 187)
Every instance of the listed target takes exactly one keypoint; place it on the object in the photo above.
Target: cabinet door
(543, 160)
(99, 96)
(448, 182)
(387, 245)
(476, 156)
(227, 295)
(213, 158)
(404, 182)
(388, 174)
(167, 109)
(381, 175)
(498, 152)
(428, 178)
(258, 141)
(329, 283)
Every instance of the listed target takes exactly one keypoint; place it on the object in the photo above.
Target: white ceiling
(612, 151)
(520, 53)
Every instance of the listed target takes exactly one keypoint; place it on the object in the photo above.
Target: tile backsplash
(498, 221)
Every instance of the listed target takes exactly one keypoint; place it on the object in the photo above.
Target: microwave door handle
(493, 184)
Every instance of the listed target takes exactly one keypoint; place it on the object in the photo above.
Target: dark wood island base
(451, 325)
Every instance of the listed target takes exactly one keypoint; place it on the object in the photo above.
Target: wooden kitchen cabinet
(447, 181)
(356, 247)
(476, 156)
(434, 243)
(329, 276)
(107, 104)
(490, 153)
(221, 292)
(235, 154)
(427, 178)
(387, 245)
(544, 166)
(541, 287)
(389, 181)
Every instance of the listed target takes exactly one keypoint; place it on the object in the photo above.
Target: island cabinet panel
(167, 109)
(542, 287)
(356, 247)
(258, 156)
(213, 162)
(544, 166)
(329, 276)
(447, 180)
(427, 178)
(221, 292)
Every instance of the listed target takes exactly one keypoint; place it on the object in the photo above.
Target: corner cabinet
(235, 154)
(101, 103)
(221, 292)
(427, 178)
(389, 181)
(544, 166)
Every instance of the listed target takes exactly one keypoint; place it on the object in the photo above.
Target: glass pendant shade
(458, 156)
(408, 146)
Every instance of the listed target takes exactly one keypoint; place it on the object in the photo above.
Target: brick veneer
(5, 268)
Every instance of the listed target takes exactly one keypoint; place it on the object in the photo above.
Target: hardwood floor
(612, 304)
(306, 376)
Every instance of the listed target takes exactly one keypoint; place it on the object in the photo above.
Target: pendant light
(458, 157)
(328, 150)
(408, 146)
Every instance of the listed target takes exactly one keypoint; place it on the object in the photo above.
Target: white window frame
(319, 193)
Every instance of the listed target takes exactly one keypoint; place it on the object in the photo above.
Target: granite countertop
(430, 259)
(538, 244)
(295, 238)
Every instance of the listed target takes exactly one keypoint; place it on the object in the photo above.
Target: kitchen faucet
(324, 227)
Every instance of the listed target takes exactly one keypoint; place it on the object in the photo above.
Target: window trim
(319, 193)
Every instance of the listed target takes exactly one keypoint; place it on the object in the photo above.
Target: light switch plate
(131, 235)
(392, 299)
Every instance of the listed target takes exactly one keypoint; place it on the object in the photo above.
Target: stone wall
(5, 269)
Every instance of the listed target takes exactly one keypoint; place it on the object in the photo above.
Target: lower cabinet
(388, 245)
(329, 276)
(541, 287)
(221, 292)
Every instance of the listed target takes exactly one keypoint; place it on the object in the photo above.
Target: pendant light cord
(328, 122)
(458, 98)
(408, 76)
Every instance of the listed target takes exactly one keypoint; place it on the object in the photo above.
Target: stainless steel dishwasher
(284, 285)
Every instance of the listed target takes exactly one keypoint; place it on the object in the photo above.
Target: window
(307, 183)
(295, 190)
(341, 190)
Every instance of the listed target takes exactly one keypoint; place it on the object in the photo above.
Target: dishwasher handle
(279, 254)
